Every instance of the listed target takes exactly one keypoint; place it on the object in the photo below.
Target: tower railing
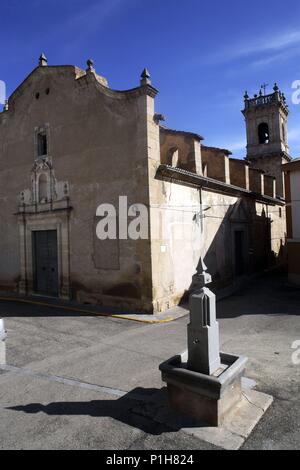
(263, 100)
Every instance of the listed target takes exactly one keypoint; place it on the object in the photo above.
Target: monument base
(208, 398)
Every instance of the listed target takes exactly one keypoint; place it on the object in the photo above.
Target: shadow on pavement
(144, 409)
(18, 308)
(269, 295)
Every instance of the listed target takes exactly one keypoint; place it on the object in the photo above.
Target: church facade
(69, 144)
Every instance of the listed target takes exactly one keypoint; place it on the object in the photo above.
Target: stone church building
(69, 143)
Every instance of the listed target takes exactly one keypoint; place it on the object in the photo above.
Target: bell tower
(266, 118)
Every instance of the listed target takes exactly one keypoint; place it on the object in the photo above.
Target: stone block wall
(256, 181)
(216, 163)
(239, 173)
(269, 186)
(181, 149)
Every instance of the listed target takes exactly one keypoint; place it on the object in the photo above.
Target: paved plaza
(79, 381)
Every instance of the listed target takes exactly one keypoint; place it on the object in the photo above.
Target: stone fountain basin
(206, 397)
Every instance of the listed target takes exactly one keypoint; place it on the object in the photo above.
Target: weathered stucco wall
(188, 223)
(98, 144)
(176, 242)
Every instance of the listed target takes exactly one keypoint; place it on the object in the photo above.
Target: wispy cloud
(294, 134)
(236, 145)
(280, 57)
(294, 141)
(79, 27)
(270, 43)
(276, 45)
(232, 145)
(93, 16)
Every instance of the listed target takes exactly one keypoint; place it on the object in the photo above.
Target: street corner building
(69, 143)
(292, 182)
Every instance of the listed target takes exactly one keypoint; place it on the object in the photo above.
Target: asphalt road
(75, 380)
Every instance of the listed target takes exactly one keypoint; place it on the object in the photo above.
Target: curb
(90, 312)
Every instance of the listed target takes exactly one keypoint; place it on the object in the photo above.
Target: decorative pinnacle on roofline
(145, 77)
(43, 61)
(90, 64)
(5, 107)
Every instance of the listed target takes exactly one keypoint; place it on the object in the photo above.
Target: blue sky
(202, 55)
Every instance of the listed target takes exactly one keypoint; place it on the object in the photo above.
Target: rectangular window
(42, 144)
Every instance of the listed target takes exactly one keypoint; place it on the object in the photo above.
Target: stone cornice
(293, 165)
(271, 154)
(217, 149)
(178, 175)
(127, 94)
(80, 75)
(187, 133)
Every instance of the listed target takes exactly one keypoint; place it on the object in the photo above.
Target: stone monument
(204, 383)
(203, 330)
